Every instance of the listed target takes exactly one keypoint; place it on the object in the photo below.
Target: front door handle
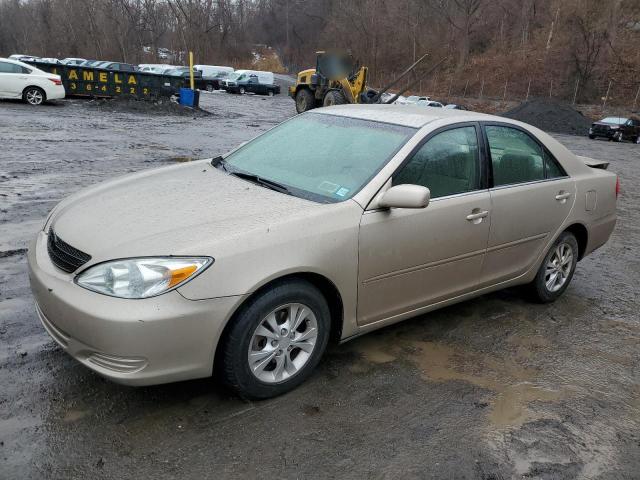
(477, 215)
(562, 196)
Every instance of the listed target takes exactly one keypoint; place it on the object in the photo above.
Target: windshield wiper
(278, 187)
(220, 162)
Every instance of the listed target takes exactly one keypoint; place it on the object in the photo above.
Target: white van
(212, 70)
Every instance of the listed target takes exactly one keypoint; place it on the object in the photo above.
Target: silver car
(335, 223)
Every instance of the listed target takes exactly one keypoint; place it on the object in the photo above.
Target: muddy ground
(493, 388)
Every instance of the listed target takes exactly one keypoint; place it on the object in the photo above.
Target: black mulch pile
(161, 106)
(550, 116)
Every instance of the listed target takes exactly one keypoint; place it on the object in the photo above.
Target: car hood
(178, 210)
(603, 124)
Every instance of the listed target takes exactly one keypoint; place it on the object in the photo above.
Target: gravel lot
(492, 388)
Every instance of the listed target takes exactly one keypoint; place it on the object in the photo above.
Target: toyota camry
(333, 224)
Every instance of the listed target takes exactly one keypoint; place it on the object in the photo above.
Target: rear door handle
(562, 196)
(477, 216)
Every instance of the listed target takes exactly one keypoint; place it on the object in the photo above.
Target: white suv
(34, 86)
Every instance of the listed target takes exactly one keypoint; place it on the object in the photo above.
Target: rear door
(531, 197)
(13, 79)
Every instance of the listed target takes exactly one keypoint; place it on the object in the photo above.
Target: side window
(551, 167)
(6, 67)
(447, 164)
(515, 156)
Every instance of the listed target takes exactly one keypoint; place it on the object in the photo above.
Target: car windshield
(326, 158)
(615, 120)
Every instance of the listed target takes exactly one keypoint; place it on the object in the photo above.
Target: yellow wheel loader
(339, 79)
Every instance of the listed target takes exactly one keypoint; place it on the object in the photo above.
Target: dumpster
(189, 98)
(99, 82)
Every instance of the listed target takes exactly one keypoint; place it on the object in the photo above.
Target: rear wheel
(209, 87)
(305, 100)
(34, 96)
(270, 93)
(334, 97)
(241, 90)
(556, 270)
(638, 140)
(276, 340)
(592, 137)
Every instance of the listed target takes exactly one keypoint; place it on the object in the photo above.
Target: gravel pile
(550, 116)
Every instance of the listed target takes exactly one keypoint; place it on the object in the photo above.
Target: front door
(411, 258)
(531, 197)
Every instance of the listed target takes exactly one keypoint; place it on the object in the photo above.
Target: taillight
(56, 81)
(617, 186)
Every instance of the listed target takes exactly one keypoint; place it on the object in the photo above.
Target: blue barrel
(189, 98)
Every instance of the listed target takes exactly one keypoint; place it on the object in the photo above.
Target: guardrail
(99, 82)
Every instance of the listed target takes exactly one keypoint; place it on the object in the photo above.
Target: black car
(616, 128)
(245, 82)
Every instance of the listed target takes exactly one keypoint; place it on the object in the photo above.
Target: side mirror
(405, 196)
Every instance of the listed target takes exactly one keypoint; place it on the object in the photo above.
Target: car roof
(17, 62)
(407, 115)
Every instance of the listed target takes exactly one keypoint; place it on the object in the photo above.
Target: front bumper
(162, 339)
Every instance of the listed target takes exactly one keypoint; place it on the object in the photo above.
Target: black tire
(637, 141)
(334, 97)
(233, 360)
(592, 137)
(539, 288)
(270, 92)
(210, 87)
(241, 91)
(617, 136)
(34, 96)
(305, 100)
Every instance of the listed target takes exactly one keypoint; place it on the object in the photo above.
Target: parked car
(413, 99)
(455, 106)
(429, 103)
(250, 262)
(19, 80)
(212, 76)
(616, 128)
(153, 68)
(73, 61)
(24, 58)
(251, 81)
(121, 67)
(53, 61)
(181, 72)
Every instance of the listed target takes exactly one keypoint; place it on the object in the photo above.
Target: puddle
(514, 386)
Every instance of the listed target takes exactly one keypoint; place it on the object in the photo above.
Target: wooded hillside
(497, 48)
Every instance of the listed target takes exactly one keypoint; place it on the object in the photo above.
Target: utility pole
(606, 97)
(575, 93)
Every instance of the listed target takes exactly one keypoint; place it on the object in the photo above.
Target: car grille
(63, 255)
(600, 129)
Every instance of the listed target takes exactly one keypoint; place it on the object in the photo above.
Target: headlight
(141, 277)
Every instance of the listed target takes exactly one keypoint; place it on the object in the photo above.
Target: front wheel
(209, 87)
(556, 270)
(334, 97)
(276, 340)
(617, 136)
(34, 96)
(638, 140)
(592, 137)
(241, 90)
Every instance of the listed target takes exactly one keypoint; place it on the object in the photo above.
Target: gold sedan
(335, 223)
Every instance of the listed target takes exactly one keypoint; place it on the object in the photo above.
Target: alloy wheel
(282, 343)
(558, 267)
(34, 96)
